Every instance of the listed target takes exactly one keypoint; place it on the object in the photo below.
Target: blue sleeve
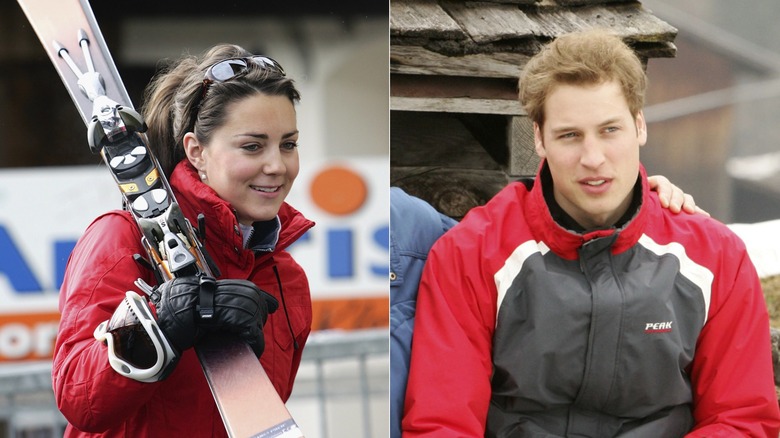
(414, 227)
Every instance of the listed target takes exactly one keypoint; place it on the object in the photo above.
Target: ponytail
(165, 115)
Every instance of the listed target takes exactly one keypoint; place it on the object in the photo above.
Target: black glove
(176, 302)
(241, 308)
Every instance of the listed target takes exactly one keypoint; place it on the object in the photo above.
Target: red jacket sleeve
(89, 393)
(732, 377)
(448, 390)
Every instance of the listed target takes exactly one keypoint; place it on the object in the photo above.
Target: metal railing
(342, 370)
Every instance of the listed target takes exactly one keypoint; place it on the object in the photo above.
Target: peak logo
(658, 327)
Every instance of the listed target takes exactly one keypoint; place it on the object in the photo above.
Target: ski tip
(82, 35)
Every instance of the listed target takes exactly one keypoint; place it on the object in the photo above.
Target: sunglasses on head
(232, 68)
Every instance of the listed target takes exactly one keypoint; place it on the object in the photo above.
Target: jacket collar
(565, 242)
(195, 197)
(261, 236)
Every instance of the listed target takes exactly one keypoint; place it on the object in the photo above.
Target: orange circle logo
(338, 190)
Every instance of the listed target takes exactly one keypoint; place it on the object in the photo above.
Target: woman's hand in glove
(241, 308)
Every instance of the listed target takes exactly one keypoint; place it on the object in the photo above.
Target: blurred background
(713, 109)
(52, 187)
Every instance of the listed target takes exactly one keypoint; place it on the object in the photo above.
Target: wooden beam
(454, 94)
(422, 18)
(416, 60)
(491, 22)
(523, 159)
(456, 105)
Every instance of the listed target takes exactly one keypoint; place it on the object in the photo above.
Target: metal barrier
(351, 366)
(27, 408)
(341, 370)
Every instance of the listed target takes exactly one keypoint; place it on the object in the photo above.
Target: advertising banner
(43, 211)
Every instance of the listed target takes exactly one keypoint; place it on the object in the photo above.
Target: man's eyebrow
(562, 128)
(566, 128)
(611, 121)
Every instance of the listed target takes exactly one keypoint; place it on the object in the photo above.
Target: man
(414, 227)
(577, 305)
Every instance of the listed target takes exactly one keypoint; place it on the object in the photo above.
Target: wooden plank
(418, 60)
(490, 22)
(523, 159)
(456, 105)
(422, 18)
(453, 86)
(629, 21)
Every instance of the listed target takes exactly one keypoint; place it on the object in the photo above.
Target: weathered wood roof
(494, 38)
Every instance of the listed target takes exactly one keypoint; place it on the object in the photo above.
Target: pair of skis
(247, 400)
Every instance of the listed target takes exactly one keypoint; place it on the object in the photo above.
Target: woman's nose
(273, 163)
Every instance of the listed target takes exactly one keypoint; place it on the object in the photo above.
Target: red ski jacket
(97, 400)
(524, 328)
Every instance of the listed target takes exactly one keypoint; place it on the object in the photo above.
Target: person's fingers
(688, 204)
(673, 197)
(663, 187)
(677, 199)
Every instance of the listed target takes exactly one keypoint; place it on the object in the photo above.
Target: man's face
(591, 144)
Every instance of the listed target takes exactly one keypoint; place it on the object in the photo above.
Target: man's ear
(194, 151)
(538, 142)
(641, 128)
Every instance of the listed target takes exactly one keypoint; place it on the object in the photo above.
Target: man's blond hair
(583, 58)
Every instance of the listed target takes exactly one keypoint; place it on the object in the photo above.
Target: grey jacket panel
(589, 347)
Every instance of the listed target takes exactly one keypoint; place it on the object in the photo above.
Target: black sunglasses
(232, 68)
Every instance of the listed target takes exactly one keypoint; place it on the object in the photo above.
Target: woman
(223, 127)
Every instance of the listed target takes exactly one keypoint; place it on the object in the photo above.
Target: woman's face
(252, 160)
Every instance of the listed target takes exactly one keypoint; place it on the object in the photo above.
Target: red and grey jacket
(525, 328)
(96, 399)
